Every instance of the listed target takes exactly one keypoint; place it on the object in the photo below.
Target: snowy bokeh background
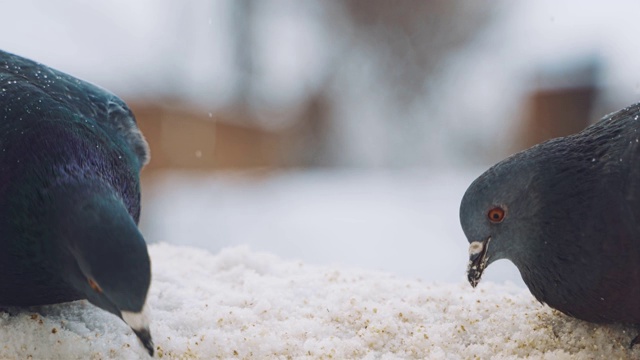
(400, 222)
(336, 133)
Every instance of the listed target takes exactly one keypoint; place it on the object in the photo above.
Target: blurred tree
(411, 39)
(386, 77)
(243, 18)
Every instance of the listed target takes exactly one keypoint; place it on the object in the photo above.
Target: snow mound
(240, 304)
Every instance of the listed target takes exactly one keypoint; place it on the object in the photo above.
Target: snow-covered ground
(242, 304)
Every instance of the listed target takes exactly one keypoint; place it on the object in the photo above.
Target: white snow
(242, 304)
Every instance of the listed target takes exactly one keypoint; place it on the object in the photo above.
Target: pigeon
(566, 212)
(70, 158)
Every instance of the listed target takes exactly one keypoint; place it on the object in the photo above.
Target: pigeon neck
(94, 229)
(86, 210)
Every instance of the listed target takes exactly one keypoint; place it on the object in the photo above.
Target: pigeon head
(108, 262)
(498, 214)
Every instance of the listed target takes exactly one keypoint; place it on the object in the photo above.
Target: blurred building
(561, 101)
(183, 137)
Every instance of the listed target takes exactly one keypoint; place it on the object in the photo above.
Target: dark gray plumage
(567, 213)
(70, 157)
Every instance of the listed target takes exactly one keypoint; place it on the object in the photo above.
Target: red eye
(496, 215)
(94, 285)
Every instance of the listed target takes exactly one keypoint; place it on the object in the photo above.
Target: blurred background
(336, 132)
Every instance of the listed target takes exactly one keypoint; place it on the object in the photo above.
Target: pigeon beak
(145, 338)
(477, 260)
(139, 323)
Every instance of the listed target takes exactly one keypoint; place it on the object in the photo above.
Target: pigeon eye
(94, 285)
(496, 215)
